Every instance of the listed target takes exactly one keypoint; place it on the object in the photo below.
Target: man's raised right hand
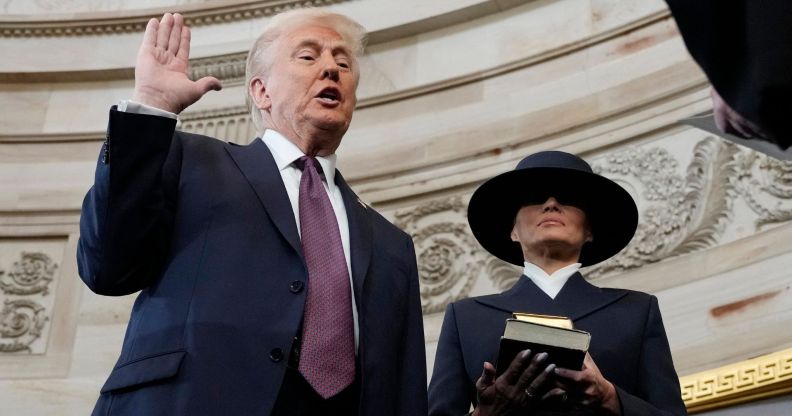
(161, 70)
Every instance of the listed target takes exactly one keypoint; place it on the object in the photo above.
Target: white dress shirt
(550, 284)
(285, 152)
(129, 106)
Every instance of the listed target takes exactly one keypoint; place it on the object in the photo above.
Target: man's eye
(306, 58)
(343, 65)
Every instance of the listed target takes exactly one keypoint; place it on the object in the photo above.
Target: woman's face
(550, 226)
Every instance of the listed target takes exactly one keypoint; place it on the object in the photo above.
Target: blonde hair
(259, 56)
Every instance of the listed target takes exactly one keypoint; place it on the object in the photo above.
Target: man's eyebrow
(337, 47)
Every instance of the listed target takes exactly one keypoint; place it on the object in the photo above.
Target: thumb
(207, 84)
(488, 375)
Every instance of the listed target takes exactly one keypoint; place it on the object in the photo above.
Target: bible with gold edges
(566, 347)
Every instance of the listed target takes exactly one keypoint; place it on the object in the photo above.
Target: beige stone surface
(49, 7)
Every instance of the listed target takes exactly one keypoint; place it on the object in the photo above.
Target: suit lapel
(524, 296)
(579, 298)
(360, 234)
(259, 168)
(576, 299)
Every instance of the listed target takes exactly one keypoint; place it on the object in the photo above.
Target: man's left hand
(589, 388)
(728, 120)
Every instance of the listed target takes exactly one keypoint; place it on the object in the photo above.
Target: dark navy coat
(628, 344)
(204, 229)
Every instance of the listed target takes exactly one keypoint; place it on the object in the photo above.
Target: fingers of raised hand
(163, 34)
(150, 35)
(175, 34)
(184, 44)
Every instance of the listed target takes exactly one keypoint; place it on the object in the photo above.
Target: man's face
(548, 225)
(310, 88)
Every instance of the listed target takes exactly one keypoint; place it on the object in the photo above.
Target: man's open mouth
(329, 95)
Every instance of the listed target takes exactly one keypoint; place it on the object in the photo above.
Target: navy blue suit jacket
(205, 229)
(628, 344)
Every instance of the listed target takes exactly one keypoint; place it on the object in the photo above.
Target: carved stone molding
(21, 323)
(31, 275)
(24, 312)
(107, 23)
(679, 214)
(766, 186)
(762, 377)
(229, 68)
(449, 259)
(232, 124)
(503, 275)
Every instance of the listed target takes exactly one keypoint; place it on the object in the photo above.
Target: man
(745, 48)
(264, 289)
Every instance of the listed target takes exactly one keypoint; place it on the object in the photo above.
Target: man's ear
(259, 95)
(514, 234)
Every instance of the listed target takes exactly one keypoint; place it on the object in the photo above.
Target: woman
(552, 215)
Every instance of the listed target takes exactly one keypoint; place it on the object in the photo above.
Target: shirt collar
(550, 284)
(285, 152)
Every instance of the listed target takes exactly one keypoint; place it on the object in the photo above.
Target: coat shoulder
(473, 305)
(631, 295)
(635, 300)
(199, 142)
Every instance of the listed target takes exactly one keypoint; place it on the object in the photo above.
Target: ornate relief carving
(766, 186)
(230, 69)
(22, 318)
(231, 124)
(680, 214)
(194, 17)
(21, 323)
(449, 259)
(31, 275)
(503, 275)
(761, 377)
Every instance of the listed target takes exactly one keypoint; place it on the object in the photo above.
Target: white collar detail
(550, 284)
(285, 152)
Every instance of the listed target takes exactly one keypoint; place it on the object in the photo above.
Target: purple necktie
(327, 355)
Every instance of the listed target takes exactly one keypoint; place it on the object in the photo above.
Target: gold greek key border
(762, 377)
(106, 23)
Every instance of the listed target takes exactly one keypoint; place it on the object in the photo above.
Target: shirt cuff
(129, 106)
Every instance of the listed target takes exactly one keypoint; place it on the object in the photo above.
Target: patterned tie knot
(307, 161)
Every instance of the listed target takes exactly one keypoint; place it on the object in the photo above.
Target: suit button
(296, 286)
(276, 355)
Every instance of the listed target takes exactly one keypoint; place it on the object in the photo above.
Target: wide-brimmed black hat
(610, 210)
